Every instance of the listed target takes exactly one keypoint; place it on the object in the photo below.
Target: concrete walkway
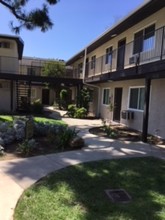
(17, 175)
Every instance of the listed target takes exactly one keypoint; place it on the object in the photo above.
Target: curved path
(18, 174)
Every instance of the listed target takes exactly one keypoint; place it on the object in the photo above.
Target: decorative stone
(1, 150)
(77, 142)
(3, 127)
(1, 141)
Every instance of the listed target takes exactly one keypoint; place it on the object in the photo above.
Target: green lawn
(77, 192)
(8, 118)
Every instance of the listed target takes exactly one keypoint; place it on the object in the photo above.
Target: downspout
(94, 86)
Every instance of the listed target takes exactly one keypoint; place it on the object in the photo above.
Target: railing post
(11, 95)
(101, 64)
(161, 55)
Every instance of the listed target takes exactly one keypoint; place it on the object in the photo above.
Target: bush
(1, 150)
(81, 113)
(71, 110)
(37, 107)
(27, 147)
(65, 137)
(64, 98)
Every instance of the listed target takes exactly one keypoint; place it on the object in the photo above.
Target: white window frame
(33, 96)
(103, 89)
(145, 48)
(129, 96)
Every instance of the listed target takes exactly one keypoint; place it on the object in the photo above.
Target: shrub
(81, 113)
(1, 150)
(65, 137)
(63, 98)
(27, 147)
(71, 110)
(37, 107)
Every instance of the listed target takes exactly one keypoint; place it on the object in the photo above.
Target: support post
(11, 95)
(79, 87)
(146, 110)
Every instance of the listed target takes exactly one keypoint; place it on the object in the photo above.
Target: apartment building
(125, 67)
(47, 93)
(22, 81)
(11, 50)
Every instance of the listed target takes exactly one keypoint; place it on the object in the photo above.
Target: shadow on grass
(78, 192)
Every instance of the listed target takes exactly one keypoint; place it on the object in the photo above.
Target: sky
(76, 24)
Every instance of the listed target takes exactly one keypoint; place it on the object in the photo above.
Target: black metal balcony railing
(152, 49)
(11, 65)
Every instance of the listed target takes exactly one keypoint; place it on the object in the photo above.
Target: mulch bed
(43, 147)
(124, 133)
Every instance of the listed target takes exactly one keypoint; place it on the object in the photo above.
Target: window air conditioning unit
(127, 115)
(134, 59)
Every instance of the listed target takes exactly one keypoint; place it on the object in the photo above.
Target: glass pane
(106, 97)
(149, 43)
(141, 98)
(138, 42)
(133, 98)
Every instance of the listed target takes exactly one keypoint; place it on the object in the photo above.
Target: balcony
(150, 49)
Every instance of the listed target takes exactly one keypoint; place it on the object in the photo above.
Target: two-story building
(11, 50)
(21, 79)
(125, 67)
(48, 94)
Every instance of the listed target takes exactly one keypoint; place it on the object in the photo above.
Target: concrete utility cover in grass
(118, 195)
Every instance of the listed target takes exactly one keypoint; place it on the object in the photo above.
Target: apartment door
(121, 54)
(117, 104)
(45, 96)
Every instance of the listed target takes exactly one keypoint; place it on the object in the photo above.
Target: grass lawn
(77, 192)
(8, 118)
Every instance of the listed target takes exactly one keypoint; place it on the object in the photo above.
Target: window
(80, 68)
(144, 40)
(108, 58)
(136, 100)
(5, 44)
(33, 93)
(149, 38)
(106, 96)
(93, 62)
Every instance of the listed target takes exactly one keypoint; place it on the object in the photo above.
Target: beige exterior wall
(4, 95)
(9, 57)
(136, 123)
(37, 94)
(156, 111)
(157, 19)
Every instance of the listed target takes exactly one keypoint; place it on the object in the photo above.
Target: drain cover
(118, 195)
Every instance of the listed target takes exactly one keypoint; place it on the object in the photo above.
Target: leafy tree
(84, 98)
(54, 68)
(34, 18)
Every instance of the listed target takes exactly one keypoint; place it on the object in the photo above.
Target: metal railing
(152, 49)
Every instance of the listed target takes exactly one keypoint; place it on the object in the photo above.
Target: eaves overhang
(19, 42)
(132, 19)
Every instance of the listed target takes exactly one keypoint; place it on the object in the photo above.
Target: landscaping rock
(20, 133)
(1, 150)
(77, 142)
(1, 141)
(10, 131)
(4, 127)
